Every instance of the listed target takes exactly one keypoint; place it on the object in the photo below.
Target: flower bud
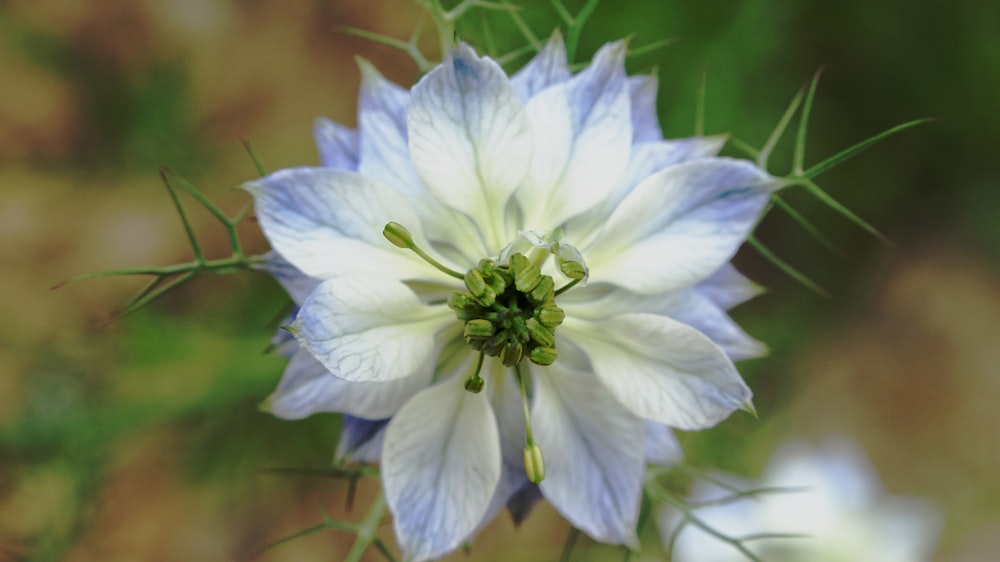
(543, 356)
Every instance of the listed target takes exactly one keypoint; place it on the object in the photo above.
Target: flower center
(509, 311)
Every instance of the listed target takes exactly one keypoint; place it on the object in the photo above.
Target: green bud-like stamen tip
(573, 270)
(475, 382)
(509, 311)
(534, 464)
(398, 235)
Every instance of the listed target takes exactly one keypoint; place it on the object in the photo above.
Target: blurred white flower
(549, 249)
(831, 509)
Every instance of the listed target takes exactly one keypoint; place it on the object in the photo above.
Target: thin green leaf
(195, 247)
(256, 159)
(147, 297)
(575, 28)
(408, 47)
(788, 269)
(800, 139)
(806, 225)
(744, 147)
(854, 150)
(779, 130)
(529, 36)
(334, 472)
(840, 208)
(567, 550)
(651, 47)
(560, 9)
(304, 532)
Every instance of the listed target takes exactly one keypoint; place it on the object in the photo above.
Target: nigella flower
(831, 510)
(525, 278)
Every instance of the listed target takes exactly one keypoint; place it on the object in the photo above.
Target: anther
(534, 464)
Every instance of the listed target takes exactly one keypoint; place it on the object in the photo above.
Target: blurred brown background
(140, 439)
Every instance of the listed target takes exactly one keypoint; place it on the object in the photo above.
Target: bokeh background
(140, 438)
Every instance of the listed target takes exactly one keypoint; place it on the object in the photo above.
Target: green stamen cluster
(509, 311)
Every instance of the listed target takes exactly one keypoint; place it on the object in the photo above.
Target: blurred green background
(140, 439)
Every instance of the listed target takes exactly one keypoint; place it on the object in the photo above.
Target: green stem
(367, 530)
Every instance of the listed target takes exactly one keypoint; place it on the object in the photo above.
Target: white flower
(833, 504)
(620, 335)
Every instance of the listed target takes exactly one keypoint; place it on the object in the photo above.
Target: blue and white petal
(329, 222)
(470, 140)
(548, 68)
(337, 145)
(594, 454)
(660, 369)
(369, 329)
(307, 388)
(680, 225)
(642, 93)
(361, 440)
(583, 135)
(440, 466)
(662, 447)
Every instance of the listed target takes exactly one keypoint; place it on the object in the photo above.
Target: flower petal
(727, 287)
(384, 150)
(337, 145)
(329, 222)
(593, 450)
(662, 447)
(361, 440)
(505, 398)
(642, 92)
(307, 388)
(546, 69)
(583, 135)
(364, 328)
(469, 138)
(680, 225)
(645, 160)
(660, 369)
(440, 466)
(297, 284)
(693, 306)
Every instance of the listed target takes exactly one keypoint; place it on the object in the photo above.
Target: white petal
(546, 69)
(645, 124)
(645, 160)
(364, 328)
(593, 451)
(692, 306)
(361, 440)
(469, 138)
(337, 145)
(384, 152)
(662, 447)
(727, 287)
(660, 369)
(328, 222)
(583, 135)
(298, 285)
(440, 466)
(505, 397)
(680, 225)
(307, 388)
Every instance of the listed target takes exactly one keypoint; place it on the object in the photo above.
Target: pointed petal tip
(253, 187)
(749, 408)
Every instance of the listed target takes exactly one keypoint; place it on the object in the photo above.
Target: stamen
(475, 383)
(509, 311)
(401, 238)
(567, 287)
(534, 463)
